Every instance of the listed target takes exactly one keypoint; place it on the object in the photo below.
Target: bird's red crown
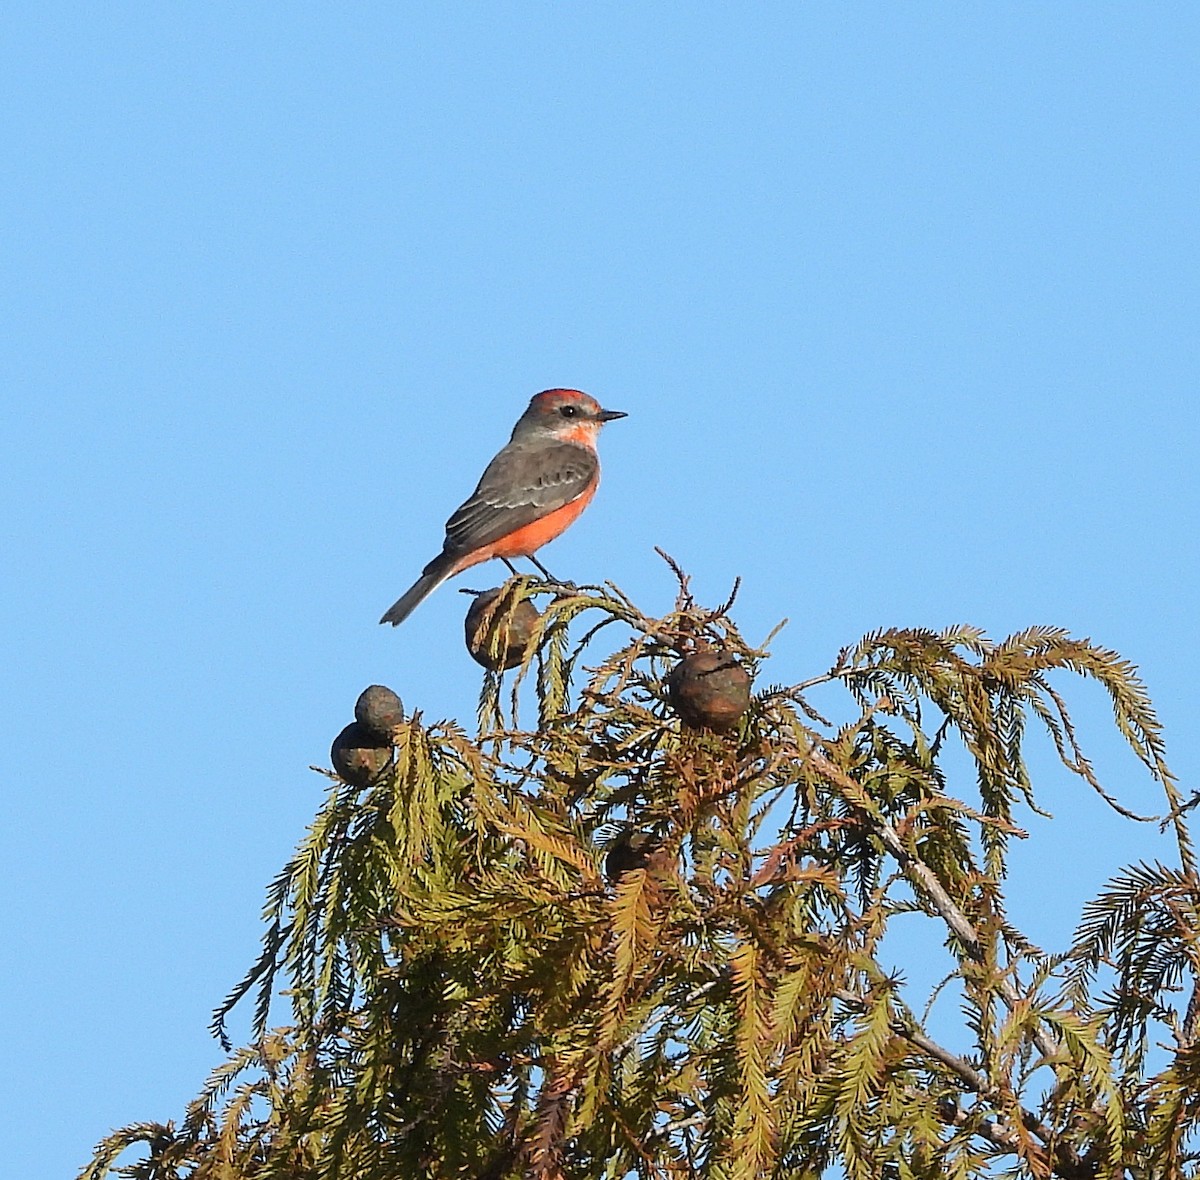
(550, 400)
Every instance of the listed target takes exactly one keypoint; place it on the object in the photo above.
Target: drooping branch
(926, 881)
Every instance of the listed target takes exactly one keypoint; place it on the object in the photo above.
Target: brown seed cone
(628, 851)
(709, 690)
(508, 632)
(379, 710)
(358, 755)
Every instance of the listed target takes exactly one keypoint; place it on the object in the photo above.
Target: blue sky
(902, 302)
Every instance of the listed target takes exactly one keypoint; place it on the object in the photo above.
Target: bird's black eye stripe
(568, 411)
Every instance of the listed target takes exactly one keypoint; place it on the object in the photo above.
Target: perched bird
(531, 491)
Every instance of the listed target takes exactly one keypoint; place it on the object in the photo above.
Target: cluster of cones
(364, 747)
(707, 689)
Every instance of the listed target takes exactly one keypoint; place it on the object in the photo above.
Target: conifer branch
(931, 887)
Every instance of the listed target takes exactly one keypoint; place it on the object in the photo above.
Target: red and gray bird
(531, 491)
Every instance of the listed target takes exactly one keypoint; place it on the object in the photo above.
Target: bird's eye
(568, 411)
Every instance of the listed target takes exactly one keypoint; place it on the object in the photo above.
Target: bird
(534, 488)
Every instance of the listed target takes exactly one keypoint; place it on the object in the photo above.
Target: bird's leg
(550, 577)
(512, 569)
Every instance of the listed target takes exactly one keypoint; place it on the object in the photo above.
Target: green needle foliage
(612, 945)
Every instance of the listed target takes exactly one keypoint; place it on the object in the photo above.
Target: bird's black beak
(611, 415)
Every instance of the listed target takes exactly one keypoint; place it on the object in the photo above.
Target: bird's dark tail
(436, 572)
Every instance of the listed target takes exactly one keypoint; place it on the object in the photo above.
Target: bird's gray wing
(520, 485)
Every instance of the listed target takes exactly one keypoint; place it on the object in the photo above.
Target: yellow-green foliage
(472, 996)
